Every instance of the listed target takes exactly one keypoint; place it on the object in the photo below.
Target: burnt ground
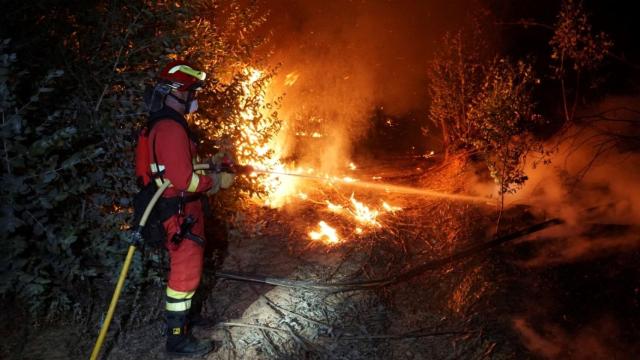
(485, 306)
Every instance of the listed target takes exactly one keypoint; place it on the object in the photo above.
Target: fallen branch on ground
(410, 335)
(405, 275)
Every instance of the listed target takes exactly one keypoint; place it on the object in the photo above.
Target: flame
(326, 233)
(333, 207)
(314, 134)
(390, 208)
(363, 214)
(252, 146)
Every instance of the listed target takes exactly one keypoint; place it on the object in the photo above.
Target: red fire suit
(173, 154)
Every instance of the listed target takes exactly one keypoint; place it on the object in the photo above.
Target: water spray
(385, 187)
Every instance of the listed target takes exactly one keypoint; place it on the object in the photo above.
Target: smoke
(341, 60)
(592, 184)
(597, 340)
(572, 245)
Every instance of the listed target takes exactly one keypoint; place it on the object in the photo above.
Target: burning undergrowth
(347, 225)
(341, 222)
(436, 313)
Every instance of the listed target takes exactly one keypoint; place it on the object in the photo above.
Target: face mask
(191, 106)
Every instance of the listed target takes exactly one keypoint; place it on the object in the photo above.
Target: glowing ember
(363, 214)
(333, 207)
(316, 135)
(303, 196)
(352, 166)
(429, 155)
(390, 208)
(291, 78)
(348, 179)
(326, 234)
(359, 230)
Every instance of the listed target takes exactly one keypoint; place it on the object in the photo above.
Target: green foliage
(575, 51)
(455, 78)
(239, 90)
(574, 43)
(42, 158)
(504, 117)
(67, 125)
(484, 104)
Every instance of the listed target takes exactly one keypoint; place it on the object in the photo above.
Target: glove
(217, 180)
(226, 180)
(221, 180)
(218, 158)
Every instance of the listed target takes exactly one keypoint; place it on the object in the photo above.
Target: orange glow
(291, 78)
(326, 233)
(363, 214)
(333, 207)
(252, 146)
(267, 153)
(390, 208)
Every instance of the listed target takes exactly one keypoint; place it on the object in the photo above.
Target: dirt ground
(484, 306)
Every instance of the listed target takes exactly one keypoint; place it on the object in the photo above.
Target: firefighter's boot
(195, 317)
(180, 341)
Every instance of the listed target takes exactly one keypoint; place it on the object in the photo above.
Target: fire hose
(431, 264)
(136, 239)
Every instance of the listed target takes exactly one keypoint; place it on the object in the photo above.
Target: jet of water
(385, 187)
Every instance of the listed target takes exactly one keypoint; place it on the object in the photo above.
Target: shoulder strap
(163, 114)
(169, 113)
(155, 157)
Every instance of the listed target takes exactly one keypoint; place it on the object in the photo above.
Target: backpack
(153, 233)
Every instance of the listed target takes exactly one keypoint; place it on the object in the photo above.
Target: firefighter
(173, 151)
